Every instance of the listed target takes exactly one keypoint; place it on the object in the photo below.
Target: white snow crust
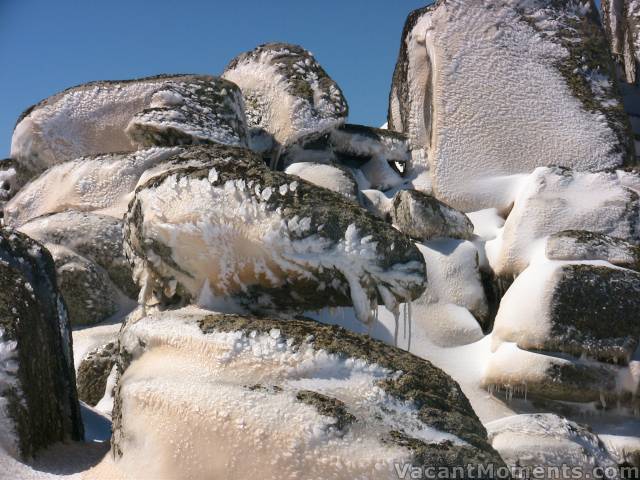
(326, 176)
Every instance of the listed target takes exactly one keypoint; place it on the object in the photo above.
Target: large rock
(287, 93)
(488, 89)
(242, 397)
(547, 441)
(218, 226)
(380, 156)
(38, 399)
(423, 217)
(122, 116)
(579, 309)
(334, 177)
(555, 199)
(102, 183)
(93, 372)
(86, 288)
(95, 237)
(584, 245)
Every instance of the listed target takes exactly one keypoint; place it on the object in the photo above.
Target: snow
(326, 176)
(597, 202)
(101, 184)
(228, 238)
(186, 392)
(468, 63)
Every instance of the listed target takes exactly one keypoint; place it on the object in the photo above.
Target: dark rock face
(39, 389)
(595, 312)
(584, 245)
(96, 237)
(123, 116)
(94, 371)
(423, 217)
(334, 252)
(88, 293)
(270, 73)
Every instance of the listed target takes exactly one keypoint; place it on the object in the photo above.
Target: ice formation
(490, 90)
(101, 184)
(123, 116)
(598, 202)
(229, 228)
(337, 179)
(287, 94)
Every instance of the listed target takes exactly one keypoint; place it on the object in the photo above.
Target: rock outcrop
(217, 225)
(126, 115)
(336, 178)
(93, 372)
(38, 399)
(259, 404)
(287, 94)
(457, 93)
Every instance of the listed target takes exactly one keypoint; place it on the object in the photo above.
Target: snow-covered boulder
(423, 217)
(378, 156)
(122, 116)
(488, 90)
(583, 245)
(206, 395)
(102, 183)
(96, 237)
(334, 177)
(218, 226)
(590, 310)
(555, 199)
(547, 441)
(93, 372)
(287, 94)
(12, 178)
(86, 288)
(454, 278)
(38, 399)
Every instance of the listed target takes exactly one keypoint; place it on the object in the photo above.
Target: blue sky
(49, 45)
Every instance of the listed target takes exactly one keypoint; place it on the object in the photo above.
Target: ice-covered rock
(621, 20)
(423, 217)
(86, 288)
(378, 156)
(96, 237)
(583, 310)
(102, 183)
(287, 94)
(454, 279)
(38, 398)
(584, 245)
(209, 395)
(12, 178)
(547, 442)
(218, 226)
(93, 372)
(334, 177)
(122, 116)
(488, 90)
(555, 199)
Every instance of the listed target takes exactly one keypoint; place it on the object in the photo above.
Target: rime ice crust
(38, 399)
(218, 224)
(101, 183)
(333, 177)
(123, 116)
(547, 440)
(263, 385)
(457, 93)
(597, 202)
(286, 92)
